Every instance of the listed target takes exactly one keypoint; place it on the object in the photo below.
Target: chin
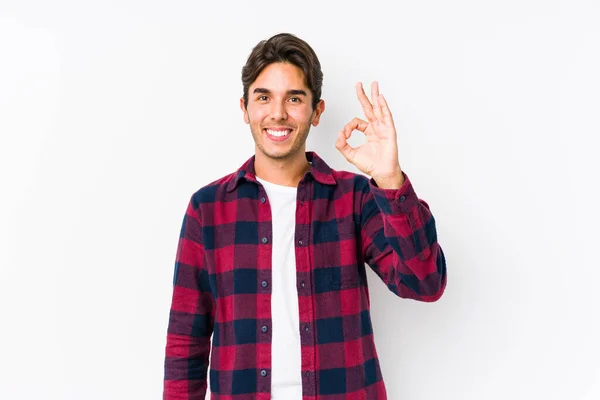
(277, 155)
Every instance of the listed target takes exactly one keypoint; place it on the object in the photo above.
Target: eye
(295, 99)
(262, 98)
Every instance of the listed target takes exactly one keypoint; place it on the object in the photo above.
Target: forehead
(282, 76)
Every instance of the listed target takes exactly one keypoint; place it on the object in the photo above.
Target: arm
(191, 317)
(399, 241)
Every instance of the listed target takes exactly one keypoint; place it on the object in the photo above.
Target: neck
(286, 172)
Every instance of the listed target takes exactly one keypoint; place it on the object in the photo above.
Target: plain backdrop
(112, 113)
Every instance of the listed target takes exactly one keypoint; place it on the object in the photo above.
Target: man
(271, 258)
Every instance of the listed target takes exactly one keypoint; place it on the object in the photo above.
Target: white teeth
(278, 133)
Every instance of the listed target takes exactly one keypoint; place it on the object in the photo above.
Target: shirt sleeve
(399, 242)
(191, 317)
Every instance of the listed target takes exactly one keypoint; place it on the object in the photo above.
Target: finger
(387, 114)
(364, 101)
(356, 124)
(375, 97)
(342, 145)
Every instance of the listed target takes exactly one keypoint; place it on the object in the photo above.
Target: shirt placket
(264, 281)
(305, 287)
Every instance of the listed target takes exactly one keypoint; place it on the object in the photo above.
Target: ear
(319, 109)
(243, 108)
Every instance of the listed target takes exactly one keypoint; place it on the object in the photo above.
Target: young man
(271, 258)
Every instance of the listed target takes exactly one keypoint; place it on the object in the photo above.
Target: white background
(112, 113)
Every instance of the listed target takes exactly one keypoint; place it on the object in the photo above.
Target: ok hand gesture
(378, 157)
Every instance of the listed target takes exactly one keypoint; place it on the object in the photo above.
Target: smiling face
(280, 112)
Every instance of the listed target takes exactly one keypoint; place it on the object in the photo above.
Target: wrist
(394, 181)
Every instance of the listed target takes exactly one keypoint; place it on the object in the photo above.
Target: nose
(278, 111)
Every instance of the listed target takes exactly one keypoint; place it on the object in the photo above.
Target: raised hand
(378, 157)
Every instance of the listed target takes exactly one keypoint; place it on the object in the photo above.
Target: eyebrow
(295, 92)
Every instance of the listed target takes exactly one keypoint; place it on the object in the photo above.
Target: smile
(278, 134)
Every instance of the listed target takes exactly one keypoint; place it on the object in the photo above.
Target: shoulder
(212, 192)
(350, 181)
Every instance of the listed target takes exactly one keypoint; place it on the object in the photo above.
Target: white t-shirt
(286, 371)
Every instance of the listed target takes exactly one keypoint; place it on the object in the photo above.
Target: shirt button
(264, 240)
(402, 198)
(264, 328)
(300, 242)
(302, 284)
(263, 373)
(306, 328)
(263, 200)
(264, 284)
(307, 373)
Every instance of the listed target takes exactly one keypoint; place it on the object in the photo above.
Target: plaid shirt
(222, 283)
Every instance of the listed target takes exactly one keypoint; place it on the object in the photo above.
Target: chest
(318, 225)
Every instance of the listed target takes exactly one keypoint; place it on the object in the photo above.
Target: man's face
(279, 111)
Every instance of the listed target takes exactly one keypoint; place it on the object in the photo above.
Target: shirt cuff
(394, 201)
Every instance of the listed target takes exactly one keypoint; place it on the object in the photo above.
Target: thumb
(342, 145)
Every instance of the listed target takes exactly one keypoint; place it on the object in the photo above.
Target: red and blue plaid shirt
(222, 283)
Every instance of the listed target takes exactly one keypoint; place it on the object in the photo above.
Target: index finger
(364, 101)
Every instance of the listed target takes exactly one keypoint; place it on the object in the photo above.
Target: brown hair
(284, 47)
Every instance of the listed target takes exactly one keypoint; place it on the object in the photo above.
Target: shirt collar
(320, 171)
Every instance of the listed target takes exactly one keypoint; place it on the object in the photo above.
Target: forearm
(411, 260)
(186, 367)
